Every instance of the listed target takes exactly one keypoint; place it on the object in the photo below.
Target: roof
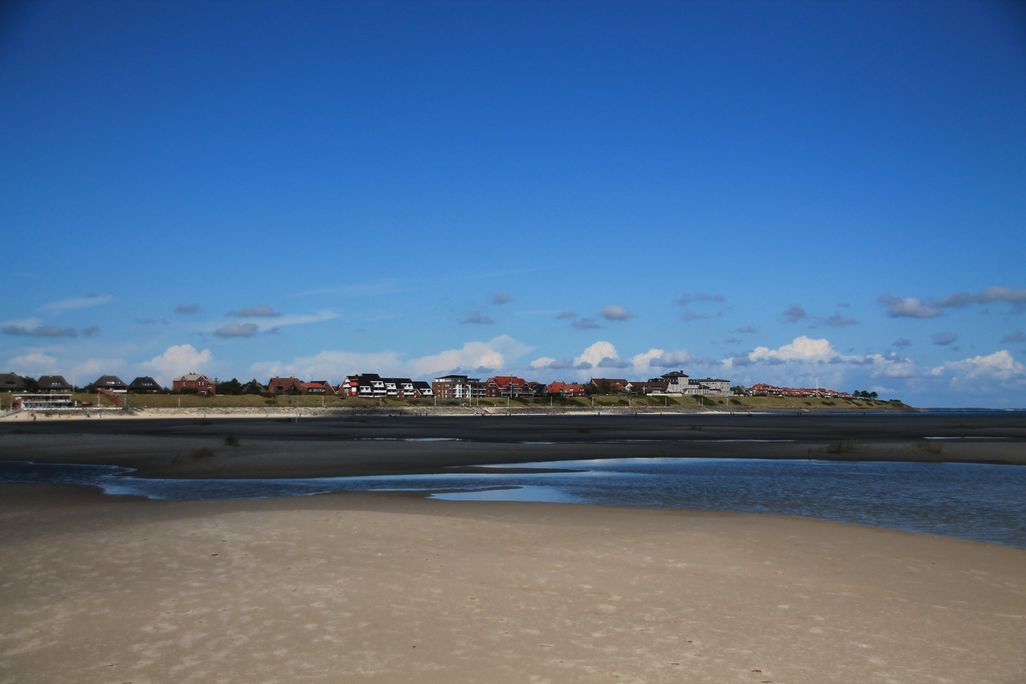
(52, 381)
(144, 382)
(11, 381)
(109, 380)
(193, 377)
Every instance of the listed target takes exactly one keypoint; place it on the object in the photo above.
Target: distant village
(451, 387)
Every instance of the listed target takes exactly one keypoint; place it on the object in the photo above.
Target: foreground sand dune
(394, 588)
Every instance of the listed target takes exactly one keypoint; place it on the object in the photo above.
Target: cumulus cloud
(330, 365)
(794, 313)
(85, 302)
(656, 358)
(943, 339)
(477, 318)
(997, 366)
(595, 353)
(585, 324)
(187, 308)
(997, 293)
(261, 311)
(36, 362)
(1014, 336)
(692, 297)
(614, 312)
(907, 307)
(500, 298)
(800, 349)
(495, 354)
(237, 330)
(178, 360)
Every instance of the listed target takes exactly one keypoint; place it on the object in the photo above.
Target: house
(422, 389)
(653, 386)
(287, 385)
(504, 386)
(607, 386)
(111, 383)
(565, 389)
(534, 389)
(457, 387)
(194, 383)
(678, 382)
(363, 385)
(322, 387)
(144, 384)
(54, 383)
(11, 382)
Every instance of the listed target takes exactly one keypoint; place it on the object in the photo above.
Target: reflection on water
(983, 502)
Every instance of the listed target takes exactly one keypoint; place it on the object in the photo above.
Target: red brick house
(285, 386)
(565, 389)
(194, 383)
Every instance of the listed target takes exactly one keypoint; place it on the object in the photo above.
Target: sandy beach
(394, 588)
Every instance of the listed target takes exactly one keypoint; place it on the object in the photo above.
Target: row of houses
(372, 385)
(764, 390)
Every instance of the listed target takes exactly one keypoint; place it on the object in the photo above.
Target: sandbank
(395, 588)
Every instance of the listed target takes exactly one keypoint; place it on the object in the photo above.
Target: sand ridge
(395, 588)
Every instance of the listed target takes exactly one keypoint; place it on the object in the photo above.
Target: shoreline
(397, 588)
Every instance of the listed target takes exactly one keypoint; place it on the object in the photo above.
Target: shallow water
(971, 501)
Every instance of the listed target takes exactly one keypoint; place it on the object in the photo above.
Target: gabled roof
(46, 382)
(11, 381)
(193, 377)
(144, 382)
(109, 381)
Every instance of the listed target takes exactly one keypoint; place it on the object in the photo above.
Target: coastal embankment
(375, 444)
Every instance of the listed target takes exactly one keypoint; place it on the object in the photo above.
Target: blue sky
(786, 192)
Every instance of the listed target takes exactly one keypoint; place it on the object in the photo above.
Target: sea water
(971, 501)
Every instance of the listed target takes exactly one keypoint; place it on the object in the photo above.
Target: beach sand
(395, 588)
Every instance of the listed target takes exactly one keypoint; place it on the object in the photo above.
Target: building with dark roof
(53, 383)
(144, 384)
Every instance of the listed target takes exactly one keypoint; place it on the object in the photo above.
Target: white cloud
(84, 372)
(330, 365)
(33, 362)
(543, 362)
(176, 361)
(594, 354)
(802, 348)
(908, 307)
(85, 302)
(660, 359)
(997, 366)
(496, 353)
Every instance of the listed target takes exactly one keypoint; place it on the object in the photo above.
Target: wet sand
(362, 445)
(394, 588)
